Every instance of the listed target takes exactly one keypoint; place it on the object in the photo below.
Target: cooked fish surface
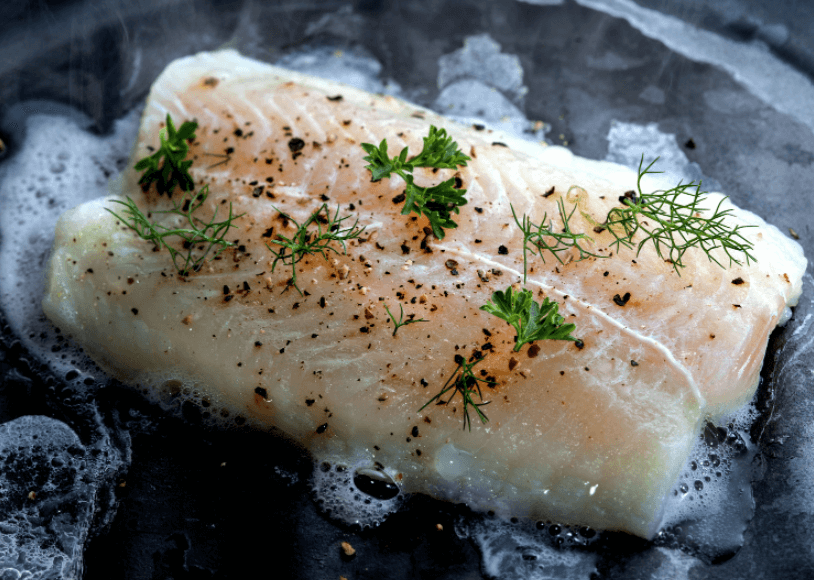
(592, 433)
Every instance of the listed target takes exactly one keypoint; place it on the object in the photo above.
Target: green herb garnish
(532, 321)
(437, 203)
(538, 235)
(674, 225)
(209, 234)
(464, 381)
(328, 229)
(174, 148)
(401, 322)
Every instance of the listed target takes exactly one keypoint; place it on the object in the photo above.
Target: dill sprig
(207, 234)
(401, 322)
(673, 221)
(436, 203)
(174, 149)
(538, 236)
(531, 320)
(304, 242)
(464, 381)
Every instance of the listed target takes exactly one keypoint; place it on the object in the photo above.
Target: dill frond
(464, 381)
(674, 221)
(199, 238)
(316, 241)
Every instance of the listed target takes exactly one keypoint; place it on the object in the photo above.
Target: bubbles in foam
(705, 518)
(336, 486)
(712, 503)
(512, 550)
(49, 495)
(59, 165)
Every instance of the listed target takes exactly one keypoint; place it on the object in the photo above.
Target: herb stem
(305, 242)
(210, 232)
(398, 323)
(464, 381)
(536, 237)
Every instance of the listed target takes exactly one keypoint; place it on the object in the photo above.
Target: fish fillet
(593, 433)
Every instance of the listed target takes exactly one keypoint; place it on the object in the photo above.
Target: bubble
(355, 492)
(713, 504)
(36, 186)
(48, 497)
(527, 550)
(375, 483)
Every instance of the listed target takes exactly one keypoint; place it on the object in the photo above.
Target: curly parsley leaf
(439, 151)
(173, 150)
(380, 164)
(437, 203)
(531, 320)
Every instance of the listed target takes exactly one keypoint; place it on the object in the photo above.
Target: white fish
(594, 436)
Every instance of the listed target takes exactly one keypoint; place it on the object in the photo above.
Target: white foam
(519, 551)
(628, 141)
(676, 565)
(481, 59)
(480, 84)
(60, 165)
(353, 67)
(712, 503)
(337, 494)
(48, 498)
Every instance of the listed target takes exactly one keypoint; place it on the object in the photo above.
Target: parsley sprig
(316, 241)
(464, 381)
(174, 148)
(542, 237)
(531, 320)
(401, 322)
(438, 203)
(673, 221)
(199, 238)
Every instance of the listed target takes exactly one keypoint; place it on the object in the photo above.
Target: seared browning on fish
(592, 433)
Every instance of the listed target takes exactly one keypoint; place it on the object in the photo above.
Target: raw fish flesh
(591, 433)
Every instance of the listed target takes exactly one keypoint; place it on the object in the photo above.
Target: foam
(60, 165)
(353, 67)
(712, 504)
(482, 85)
(627, 141)
(338, 495)
(47, 498)
(520, 552)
